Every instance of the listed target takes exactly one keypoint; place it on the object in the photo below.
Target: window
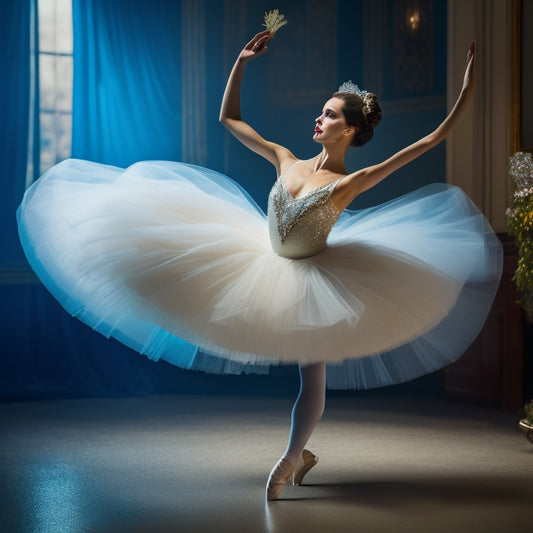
(52, 69)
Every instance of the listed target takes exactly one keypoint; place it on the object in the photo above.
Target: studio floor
(198, 463)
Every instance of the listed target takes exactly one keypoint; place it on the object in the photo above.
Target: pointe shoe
(305, 462)
(279, 476)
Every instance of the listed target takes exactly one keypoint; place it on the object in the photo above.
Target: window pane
(55, 26)
(63, 136)
(55, 138)
(55, 82)
(48, 141)
(47, 77)
(64, 83)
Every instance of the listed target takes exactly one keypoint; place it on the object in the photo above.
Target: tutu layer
(168, 257)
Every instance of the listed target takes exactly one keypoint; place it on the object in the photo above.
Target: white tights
(308, 408)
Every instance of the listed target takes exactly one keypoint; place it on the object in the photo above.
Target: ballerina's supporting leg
(306, 413)
(308, 408)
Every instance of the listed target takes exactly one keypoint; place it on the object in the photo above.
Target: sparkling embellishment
(289, 210)
(304, 221)
(350, 87)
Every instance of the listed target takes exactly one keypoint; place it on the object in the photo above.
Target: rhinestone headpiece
(350, 87)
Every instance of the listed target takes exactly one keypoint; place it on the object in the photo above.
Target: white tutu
(169, 257)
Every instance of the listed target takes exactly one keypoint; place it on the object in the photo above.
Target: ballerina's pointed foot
(305, 462)
(279, 476)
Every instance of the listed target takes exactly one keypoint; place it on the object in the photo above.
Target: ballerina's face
(331, 124)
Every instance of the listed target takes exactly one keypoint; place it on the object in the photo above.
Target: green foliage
(520, 226)
(528, 408)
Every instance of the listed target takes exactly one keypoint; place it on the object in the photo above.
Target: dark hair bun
(371, 109)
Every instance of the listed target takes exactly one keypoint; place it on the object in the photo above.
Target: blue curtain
(126, 108)
(14, 116)
(127, 95)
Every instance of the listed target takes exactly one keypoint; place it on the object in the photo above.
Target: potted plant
(520, 226)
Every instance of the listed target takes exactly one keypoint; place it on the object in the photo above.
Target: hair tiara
(350, 87)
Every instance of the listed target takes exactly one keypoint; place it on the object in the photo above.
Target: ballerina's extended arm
(230, 112)
(365, 179)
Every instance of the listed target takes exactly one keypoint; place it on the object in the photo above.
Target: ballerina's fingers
(468, 80)
(258, 44)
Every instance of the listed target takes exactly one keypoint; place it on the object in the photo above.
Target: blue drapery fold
(14, 113)
(126, 107)
(126, 104)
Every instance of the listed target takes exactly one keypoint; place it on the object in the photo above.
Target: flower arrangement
(520, 226)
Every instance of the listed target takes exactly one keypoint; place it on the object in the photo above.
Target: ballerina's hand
(468, 82)
(256, 47)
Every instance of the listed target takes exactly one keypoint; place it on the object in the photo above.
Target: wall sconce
(413, 20)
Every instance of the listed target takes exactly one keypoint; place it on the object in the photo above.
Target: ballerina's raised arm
(230, 110)
(364, 179)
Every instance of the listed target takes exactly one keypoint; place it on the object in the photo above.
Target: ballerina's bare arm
(365, 179)
(230, 112)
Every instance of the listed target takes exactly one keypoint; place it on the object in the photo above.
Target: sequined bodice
(299, 227)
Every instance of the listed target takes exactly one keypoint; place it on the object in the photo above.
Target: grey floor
(199, 463)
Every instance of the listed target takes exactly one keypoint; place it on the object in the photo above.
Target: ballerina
(347, 119)
(178, 262)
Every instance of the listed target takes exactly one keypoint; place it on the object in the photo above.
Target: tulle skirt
(174, 260)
